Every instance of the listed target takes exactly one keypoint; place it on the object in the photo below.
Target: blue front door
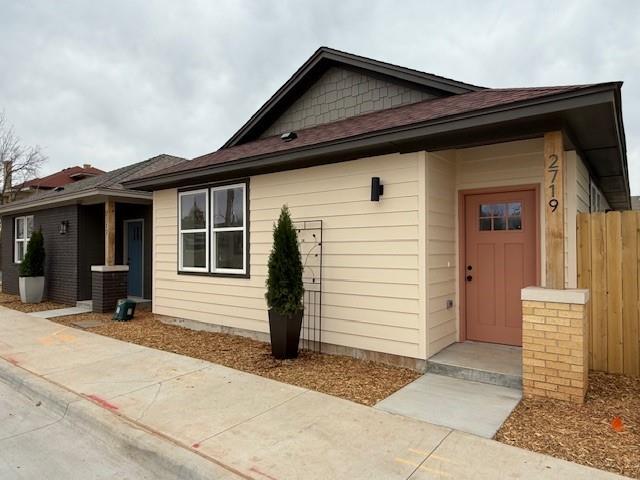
(134, 252)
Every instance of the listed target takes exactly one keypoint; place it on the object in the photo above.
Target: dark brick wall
(9, 269)
(91, 248)
(133, 212)
(108, 288)
(61, 264)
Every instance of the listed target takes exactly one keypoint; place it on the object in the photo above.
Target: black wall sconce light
(63, 227)
(377, 189)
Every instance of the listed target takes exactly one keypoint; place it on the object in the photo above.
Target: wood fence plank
(584, 267)
(630, 346)
(614, 293)
(598, 292)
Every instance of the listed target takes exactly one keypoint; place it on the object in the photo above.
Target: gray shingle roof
(110, 180)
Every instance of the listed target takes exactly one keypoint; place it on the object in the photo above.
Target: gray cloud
(111, 83)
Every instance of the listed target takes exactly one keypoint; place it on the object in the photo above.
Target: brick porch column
(108, 285)
(555, 326)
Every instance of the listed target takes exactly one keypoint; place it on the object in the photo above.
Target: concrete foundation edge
(157, 453)
(416, 364)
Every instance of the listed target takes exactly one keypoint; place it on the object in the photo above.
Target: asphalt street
(36, 444)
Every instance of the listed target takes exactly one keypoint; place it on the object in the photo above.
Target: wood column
(554, 204)
(109, 232)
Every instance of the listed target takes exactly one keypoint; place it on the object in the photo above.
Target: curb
(159, 454)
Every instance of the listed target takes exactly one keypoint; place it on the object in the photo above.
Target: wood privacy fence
(608, 265)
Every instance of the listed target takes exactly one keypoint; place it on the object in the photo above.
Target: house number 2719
(553, 170)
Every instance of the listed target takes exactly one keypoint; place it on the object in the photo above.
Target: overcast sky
(113, 83)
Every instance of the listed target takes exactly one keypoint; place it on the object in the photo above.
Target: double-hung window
(194, 231)
(23, 227)
(214, 238)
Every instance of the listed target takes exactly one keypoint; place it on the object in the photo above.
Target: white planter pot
(31, 289)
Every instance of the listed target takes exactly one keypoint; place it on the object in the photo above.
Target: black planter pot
(285, 334)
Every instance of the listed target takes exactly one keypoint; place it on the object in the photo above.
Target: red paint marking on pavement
(13, 361)
(102, 402)
(266, 475)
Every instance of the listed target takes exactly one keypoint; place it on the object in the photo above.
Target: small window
(23, 227)
(193, 231)
(500, 216)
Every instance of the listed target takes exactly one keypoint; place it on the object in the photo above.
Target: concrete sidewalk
(256, 426)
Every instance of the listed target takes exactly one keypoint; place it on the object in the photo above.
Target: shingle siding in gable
(341, 93)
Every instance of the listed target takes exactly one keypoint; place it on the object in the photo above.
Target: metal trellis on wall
(310, 241)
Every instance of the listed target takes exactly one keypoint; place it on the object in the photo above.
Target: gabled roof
(371, 123)
(590, 115)
(105, 183)
(317, 64)
(63, 177)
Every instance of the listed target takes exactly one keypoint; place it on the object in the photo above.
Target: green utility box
(124, 310)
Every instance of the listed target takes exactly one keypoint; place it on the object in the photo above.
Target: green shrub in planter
(285, 289)
(32, 270)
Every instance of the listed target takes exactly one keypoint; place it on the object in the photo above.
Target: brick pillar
(108, 285)
(555, 326)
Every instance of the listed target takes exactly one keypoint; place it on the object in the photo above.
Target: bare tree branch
(19, 163)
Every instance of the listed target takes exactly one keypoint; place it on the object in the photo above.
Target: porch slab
(480, 362)
(471, 407)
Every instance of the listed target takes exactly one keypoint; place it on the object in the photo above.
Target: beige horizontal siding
(441, 248)
(372, 291)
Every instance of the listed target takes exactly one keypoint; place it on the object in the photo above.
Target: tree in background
(19, 162)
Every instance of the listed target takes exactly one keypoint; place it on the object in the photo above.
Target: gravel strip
(603, 433)
(13, 302)
(360, 381)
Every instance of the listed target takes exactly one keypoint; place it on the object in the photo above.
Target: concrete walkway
(471, 407)
(256, 426)
(61, 312)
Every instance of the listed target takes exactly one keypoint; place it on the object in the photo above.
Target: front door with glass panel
(500, 259)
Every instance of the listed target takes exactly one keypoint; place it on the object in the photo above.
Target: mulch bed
(603, 433)
(13, 302)
(360, 381)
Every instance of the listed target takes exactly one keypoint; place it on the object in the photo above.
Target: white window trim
(243, 229)
(24, 240)
(196, 230)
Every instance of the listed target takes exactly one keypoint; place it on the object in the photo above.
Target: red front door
(500, 259)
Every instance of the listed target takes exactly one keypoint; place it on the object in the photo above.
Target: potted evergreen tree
(284, 289)
(32, 270)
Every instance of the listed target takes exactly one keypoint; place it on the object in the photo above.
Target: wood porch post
(109, 232)
(554, 174)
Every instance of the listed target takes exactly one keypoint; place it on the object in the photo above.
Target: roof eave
(49, 202)
(392, 137)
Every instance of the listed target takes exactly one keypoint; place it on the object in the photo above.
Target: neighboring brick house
(73, 218)
(50, 182)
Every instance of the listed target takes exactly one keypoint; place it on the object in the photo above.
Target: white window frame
(25, 238)
(243, 229)
(205, 230)
(596, 198)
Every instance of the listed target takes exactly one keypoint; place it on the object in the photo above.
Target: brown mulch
(586, 433)
(13, 302)
(360, 381)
